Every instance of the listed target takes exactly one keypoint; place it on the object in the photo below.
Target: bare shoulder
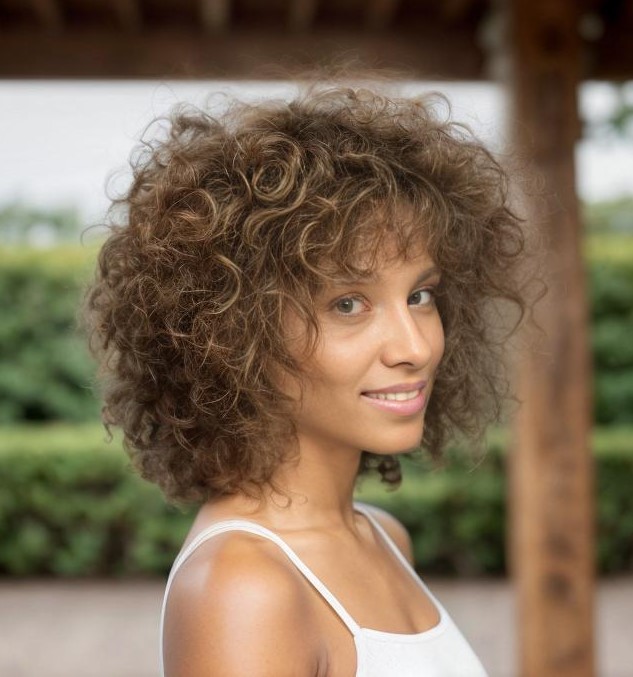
(396, 530)
(232, 604)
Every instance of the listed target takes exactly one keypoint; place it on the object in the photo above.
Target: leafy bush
(613, 344)
(611, 299)
(614, 396)
(611, 216)
(24, 224)
(49, 373)
(611, 289)
(71, 506)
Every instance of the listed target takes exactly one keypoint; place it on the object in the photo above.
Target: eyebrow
(373, 278)
(429, 272)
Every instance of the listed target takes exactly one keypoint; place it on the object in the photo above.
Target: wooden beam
(129, 15)
(551, 493)
(240, 54)
(453, 10)
(215, 15)
(380, 13)
(302, 14)
(611, 58)
(49, 14)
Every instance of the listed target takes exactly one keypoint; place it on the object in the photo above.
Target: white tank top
(440, 651)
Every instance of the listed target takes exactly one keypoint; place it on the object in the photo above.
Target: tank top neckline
(384, 635)
(353, 626)
(441, 649)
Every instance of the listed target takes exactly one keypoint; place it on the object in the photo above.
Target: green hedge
(611, 299)
(49, 375)
(71, 506)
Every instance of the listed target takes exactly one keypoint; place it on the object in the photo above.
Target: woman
(297, 294)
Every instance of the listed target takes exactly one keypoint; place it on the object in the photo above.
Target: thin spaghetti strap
(364, 509)
(253, 528)
(385, 536)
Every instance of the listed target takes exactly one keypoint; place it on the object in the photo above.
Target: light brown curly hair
(232, 219)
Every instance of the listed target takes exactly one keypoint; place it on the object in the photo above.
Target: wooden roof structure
(447, 39)
(541, 50)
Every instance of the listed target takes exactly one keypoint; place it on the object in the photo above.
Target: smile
(400, 403)
(395, 397)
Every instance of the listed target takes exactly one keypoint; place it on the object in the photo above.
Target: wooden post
(551, 527)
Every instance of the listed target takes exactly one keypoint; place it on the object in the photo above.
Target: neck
(320, 484)
(314, 491)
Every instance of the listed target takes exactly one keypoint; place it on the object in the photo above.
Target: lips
(395, 397)
(398, 388)
(404, 399)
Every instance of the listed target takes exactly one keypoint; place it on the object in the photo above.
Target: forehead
(387, 269)
(377, 237)
(388, 252)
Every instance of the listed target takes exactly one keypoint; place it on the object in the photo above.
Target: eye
(349, 305)
(422, 297)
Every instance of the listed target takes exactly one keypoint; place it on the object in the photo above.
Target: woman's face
(368, 382)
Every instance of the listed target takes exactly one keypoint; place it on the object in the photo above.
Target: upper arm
(235, 610)
(396, 531)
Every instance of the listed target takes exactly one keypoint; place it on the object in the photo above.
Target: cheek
(322, 372)
(328, 371)
(337, 360)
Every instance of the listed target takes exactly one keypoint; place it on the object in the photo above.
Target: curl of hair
(230, 220)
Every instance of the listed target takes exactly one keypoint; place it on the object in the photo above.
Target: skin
(237, 606)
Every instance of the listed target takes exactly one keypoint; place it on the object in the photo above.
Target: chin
(393, 447)
(399, 442)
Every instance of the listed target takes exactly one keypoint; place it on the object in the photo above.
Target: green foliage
(457, 515)
(46, 372)
(611, 290)
(612, 343)
(22, 225)
(615, 512)
(612, 216)
(611, 304)
(614, 396)
(455, 519)
(70, 505)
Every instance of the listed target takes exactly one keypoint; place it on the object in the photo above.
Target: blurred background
(85, 545)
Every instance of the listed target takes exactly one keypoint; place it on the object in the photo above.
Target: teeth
(395, 397)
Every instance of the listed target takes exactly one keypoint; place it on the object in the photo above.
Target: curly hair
(231, 219)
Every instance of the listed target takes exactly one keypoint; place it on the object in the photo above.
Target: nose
(408, 338)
